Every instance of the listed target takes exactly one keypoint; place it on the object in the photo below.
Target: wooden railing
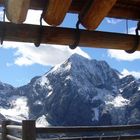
(28, 131)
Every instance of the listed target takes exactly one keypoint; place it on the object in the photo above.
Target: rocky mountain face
(77, 92)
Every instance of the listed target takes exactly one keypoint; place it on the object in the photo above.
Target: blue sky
(20, 62)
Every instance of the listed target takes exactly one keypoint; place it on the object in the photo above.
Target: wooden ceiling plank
(96, 13)
(122, 9)
(56, 11)
(16, 10)
(65, 36)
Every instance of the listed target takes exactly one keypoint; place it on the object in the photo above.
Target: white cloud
(122, 55)
(28, 54)
(136, 74)
(113, 20)
(132, 30)
(33, 17)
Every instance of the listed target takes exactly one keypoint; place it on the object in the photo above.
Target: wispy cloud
(9, 64)
(132, 30)
(27, 54)
(122, 55)
(46, 54)
(136, 74)
(113, 20)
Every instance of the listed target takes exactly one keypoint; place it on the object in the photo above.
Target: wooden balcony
(28, 131)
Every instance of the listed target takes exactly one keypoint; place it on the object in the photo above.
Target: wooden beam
(16, 10)
(96, 13)
(66, 36)
(125, 11)
(122, 9)
(56, 11)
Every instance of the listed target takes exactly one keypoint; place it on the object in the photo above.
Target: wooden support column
(56, 11)
(16, 10)
(66, 36)
(28, 130)
(96, 13)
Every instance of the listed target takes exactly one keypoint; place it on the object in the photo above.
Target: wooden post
(28, 130)
(4, 129)
(56, 11)
(16, 10)
(96, 13)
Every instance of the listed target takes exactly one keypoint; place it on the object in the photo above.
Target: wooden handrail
(10, 137)
(124, 137)
(29, 131)
(75, 129)
(15, 127)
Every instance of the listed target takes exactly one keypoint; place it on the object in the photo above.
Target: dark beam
(66, 36)
(77, 129)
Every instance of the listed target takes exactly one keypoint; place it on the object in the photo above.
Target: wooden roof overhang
(92, 12)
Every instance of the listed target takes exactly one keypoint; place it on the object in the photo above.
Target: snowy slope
(79, 91)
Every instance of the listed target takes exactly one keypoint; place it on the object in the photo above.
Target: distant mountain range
(77, 92)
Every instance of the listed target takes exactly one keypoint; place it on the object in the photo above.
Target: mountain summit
(79, 91)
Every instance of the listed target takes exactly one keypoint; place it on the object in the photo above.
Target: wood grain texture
(28, 130)
(66, 36)
(56, 11)
(16, 10)
(122, 9)
(96, 13)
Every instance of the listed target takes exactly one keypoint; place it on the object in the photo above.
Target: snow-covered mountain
(77, 92)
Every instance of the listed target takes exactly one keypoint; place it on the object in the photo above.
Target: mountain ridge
(79, 91)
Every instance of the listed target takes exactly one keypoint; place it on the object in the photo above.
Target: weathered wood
(56, 11)
(10, 137)
(4, 129)
(16, 10)
(122, 9)
(76, 129)
(124, 12)
(15, 127)
(124, 137)
(66, 36)
(96, 13)
(28, 130)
